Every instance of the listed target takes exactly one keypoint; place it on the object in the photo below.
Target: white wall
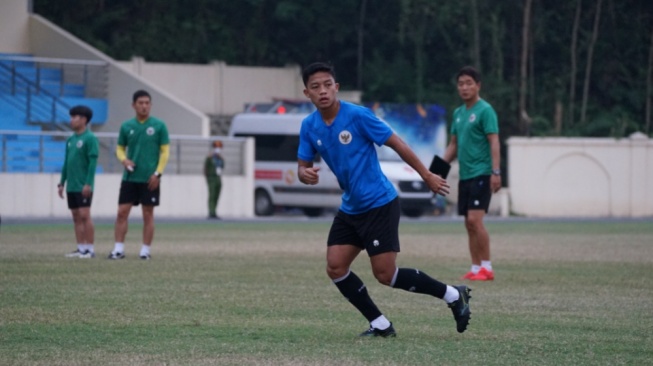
(581, 177)
(35, 195)
(218, 88)
(13, 26)
(48, 40)
(222, 89)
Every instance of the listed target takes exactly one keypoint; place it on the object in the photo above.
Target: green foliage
(411, 48)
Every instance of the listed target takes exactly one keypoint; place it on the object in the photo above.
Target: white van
(276, 183)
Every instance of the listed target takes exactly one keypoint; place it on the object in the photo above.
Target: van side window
(276, 148)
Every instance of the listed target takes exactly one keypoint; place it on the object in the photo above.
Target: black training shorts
(76, 200)
(135, 193)
(474, 194)
(376, 230)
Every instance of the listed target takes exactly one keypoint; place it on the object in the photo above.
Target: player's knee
(335, 271)
(384, 277)
(474, 224)
(122, 216)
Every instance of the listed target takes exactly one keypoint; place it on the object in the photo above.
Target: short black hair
(471, 72)
(317, 67)
(140, 93)
(82, 110)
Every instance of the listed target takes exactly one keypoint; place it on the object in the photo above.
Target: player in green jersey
(78, 177)
(475, 142)
(143, 149)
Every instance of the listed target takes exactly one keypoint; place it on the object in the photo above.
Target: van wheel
(412, 212)
(263, 205)
(313, 211)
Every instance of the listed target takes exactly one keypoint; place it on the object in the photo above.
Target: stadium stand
(33, 97)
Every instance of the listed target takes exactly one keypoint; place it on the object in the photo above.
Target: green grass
(257, 294)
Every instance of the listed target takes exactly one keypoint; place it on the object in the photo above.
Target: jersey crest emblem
(80, 143)
(472, 118)
(345, 137)
(150, 131)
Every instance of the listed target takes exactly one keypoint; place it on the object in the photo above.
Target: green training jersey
(80, 162)
(471, 127)
(143, 141)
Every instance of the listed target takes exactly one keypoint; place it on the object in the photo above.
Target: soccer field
(256, 293)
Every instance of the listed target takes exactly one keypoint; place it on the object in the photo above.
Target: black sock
(414, 280)
(352, 288)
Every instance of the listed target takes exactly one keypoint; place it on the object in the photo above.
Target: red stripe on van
(268, 174)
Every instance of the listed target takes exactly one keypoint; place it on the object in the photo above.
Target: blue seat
(74, 90)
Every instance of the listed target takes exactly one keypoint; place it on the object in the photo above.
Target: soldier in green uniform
(475, 142)
(78, 177)
(143, 149)
(213, 167)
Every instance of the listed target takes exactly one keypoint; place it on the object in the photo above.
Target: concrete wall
(218, 88)
(48, 40)
(581, 177)
(35, 195)
(14, 19)
(222, 89)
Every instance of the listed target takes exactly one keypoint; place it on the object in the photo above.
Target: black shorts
(376, 230)
(76, 200)
(135, 193)
(474, 194)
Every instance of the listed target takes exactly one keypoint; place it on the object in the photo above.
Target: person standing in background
(213, 168)
(143, 149)
(78, 177)
(475, 142)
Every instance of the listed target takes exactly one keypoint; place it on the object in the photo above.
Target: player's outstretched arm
(436, 183)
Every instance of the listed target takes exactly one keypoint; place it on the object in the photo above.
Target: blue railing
(38, 87)
(44, 152)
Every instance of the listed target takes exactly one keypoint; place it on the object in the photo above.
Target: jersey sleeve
(165, 137)
(490, 121)
(122, 136)
(454, 131)
(92, 153)
(373, 128)
(64, 169)
(305, 151)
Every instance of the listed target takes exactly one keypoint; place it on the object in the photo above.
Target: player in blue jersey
(344, 135)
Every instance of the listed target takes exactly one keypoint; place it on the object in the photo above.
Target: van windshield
(275, 148)
(387, 154)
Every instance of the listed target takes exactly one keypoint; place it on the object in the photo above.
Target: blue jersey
(347, 146)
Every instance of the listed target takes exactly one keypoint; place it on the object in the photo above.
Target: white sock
(80, 247)
(487, 265)
(119, 248)
(145, 250)
(451, 295)
(475, 268)
(380, 323)
(88, 248)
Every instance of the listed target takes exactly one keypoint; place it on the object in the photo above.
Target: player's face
(468, 88)
(77, 122)
(321, 89)
(142, 107)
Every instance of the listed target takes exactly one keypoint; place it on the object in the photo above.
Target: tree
(361, 32)
(476, 42)
(588, 67)
(415, 18)
(649, 88)
(573, 55)
(523, 73)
